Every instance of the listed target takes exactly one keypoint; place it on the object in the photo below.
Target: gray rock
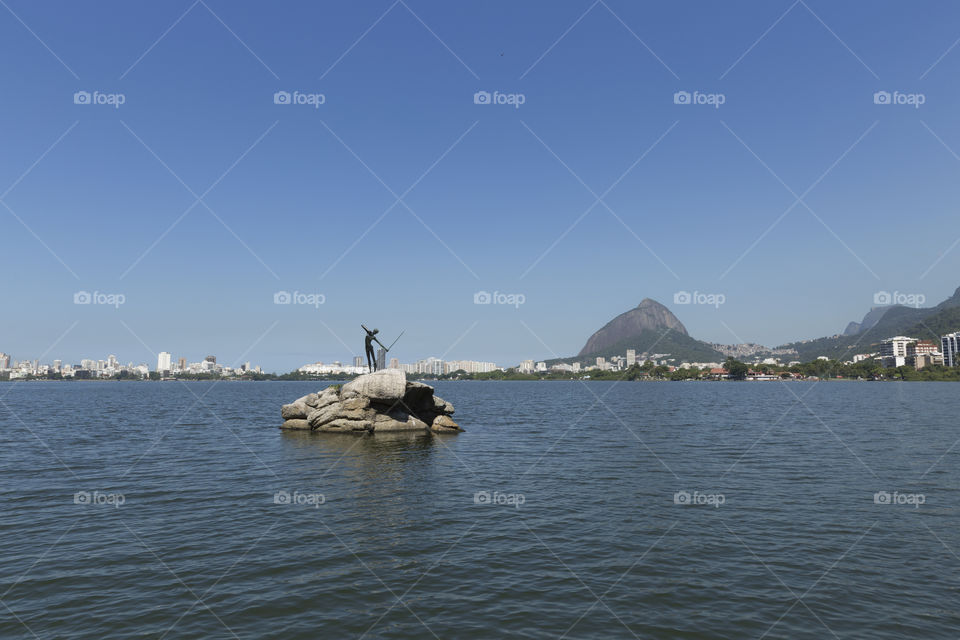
(327, 396)
(312, 400)
(294, 411)
(319, 417)
(355, 404)
(307, 400)
(444, 423)
(398, 421)
(356, 414)
(324, 401)
(442, 406)
(384, 386)
(341, 425)
(378, 402)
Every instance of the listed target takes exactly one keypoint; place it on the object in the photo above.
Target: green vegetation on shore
(817, 369)
(735, 370)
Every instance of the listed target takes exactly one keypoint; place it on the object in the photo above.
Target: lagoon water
(554, 515)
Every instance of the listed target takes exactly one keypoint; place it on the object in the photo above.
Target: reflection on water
(373, 470)
(383, 446)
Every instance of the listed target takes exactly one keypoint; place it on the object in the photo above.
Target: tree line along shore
(732, 370)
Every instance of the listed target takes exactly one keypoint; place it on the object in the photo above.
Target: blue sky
(399, 198)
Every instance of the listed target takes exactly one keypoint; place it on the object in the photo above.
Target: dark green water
(788, 543)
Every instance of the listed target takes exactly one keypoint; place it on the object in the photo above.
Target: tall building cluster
(950, 347)
(429, 366)
(111, 367)
(901, 351)
(437, 366)
(87, 368)
(335, 367)
(166, 367)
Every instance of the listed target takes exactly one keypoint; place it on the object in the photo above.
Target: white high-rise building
(163, 361)
(631, 357)
(893, 351)
(469, 366)
(950, 346)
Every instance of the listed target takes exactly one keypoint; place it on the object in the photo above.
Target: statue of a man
(368, 341)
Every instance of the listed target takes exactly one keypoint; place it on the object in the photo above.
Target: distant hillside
(651, 328)
(869, 321)
(629, 326)
(934, 326)
(648, 328)
(678, 345)
(927, 324)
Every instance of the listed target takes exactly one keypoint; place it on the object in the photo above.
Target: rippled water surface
(421, 537)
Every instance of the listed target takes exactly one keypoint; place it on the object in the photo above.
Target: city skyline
(893, 352)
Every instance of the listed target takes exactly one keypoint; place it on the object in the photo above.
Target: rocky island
(383, 401)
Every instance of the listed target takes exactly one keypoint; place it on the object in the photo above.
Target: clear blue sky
(297, 198)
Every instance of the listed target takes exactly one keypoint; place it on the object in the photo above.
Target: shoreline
(340, 380)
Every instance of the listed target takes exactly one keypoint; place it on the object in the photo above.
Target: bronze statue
(368, 341)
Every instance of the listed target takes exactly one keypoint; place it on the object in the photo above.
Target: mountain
(651, 328)
(647, 316)
(648, 328)
(680, 346)
(869, 321)
(928, 323)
